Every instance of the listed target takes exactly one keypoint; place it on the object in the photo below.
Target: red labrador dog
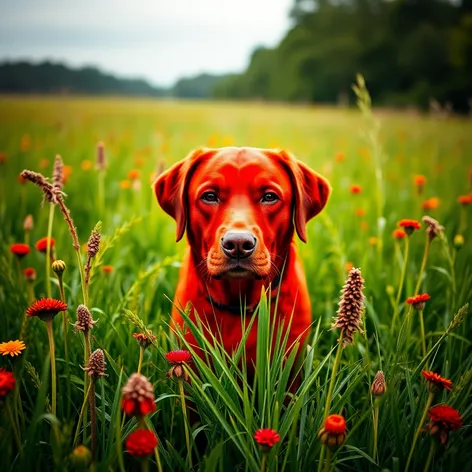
(241, 208)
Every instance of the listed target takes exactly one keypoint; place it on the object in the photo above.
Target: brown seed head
(379, 387)
(84, 319)
(101, 162)
(434, 228)
(93, 244)
(51, 193)
(96, 364)
(28, 223)
(58, 173)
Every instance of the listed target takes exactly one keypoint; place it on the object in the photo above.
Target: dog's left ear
(170, 188)
(311, 191)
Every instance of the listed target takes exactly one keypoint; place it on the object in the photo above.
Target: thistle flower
(379, 387)
(46, 308)
(20, 250)
(436, 383)
(30, 274)
(101, 162)
(177, 359)
(28, 223)
(84, 319)
(266, 438)
(58, 173)
(7, 382)
(141, 442)
(96, 365)
(443, 420)
(418, 301)
(12, 348)
(351, 305)
(333, 432)
(434, 228)
(138, 396)
(42, 244)
(409, 226)
(143, 339)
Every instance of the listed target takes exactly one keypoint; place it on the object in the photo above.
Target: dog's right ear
(170, 188)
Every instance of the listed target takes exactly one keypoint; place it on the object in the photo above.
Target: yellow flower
(86, 165)
(12, 348)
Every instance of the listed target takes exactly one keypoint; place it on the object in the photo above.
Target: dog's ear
(311, 191)
(171, 187)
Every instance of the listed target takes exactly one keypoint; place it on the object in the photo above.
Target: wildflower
(418, 301)
(46, 308)
(434, 228)
(177, 358)
(30, 274)
(25, 142)
(409, 225)
(399, 234)
(419, 180)
(348, 266)
(44, 163)
(7, 382)
(354, 189)
(431, 203)
(101, 163)
(107, 269)
(96, 364)
(373, 241)
(84, 319)
(458, 241)
(266, 438)
(465, 199)
(379, 387)
(58, 267)
(3, 158)
(42, 244)
(125, 184)
(81, 457)
(443, 419)
(333, 433)
(86, 165)
(359, 212)
(12, 348)
(58, 173)
(134, 174)
(436, 383)
(138, 396)
(143, 339)
(28, 223)
(20, 250)
(351, 304)
(141, 442)
(340, 157)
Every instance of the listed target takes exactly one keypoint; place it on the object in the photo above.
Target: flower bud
(58, 267)
(458, 241)
(80, 457)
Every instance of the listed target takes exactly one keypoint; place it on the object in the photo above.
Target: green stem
(82, 276)
(93, 419)
(423, 264)
(48, 249)
(400, 286)
(87, 352)
(376, 428)
(329, 456)
(101, 192)
(141, 354)
(81, 415)
(53, 365)
(184, 413)
(15, 428)
(418, 431)
(158, 459)
(423, 338)
(263, 462)
(145, 464)
(430, 457)
(66, 350)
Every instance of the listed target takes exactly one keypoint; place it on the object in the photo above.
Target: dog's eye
(269, 197)
(210, 197)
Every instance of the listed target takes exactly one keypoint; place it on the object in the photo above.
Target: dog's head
(240, 206)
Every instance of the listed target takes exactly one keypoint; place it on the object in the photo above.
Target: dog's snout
(238, 245)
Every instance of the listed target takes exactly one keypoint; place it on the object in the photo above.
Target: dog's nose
(238, 245)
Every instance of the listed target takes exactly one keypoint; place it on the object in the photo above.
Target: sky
(158, 40)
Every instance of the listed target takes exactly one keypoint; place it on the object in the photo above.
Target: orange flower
(420, 180)
(43, 163)
(399, 234)
(335, 424)
(42, 244)
(3, 158)
(107, 269)
(348, 266)
(436, 382)
(134, 174)
(373, 241)
(12, 348)
(20, 250)
(25, 142)
(340, 157)
(86, 165)
(143, 339)
(125, 184)
(46, 308)
(443, 419)
(333, 433)
(465, 199)
(431, 203)
(30, 274)
(354, 189)
(141, 442)
(418, 301)
(409, 225)
(359, 212)
(266, 438)
(7, 382)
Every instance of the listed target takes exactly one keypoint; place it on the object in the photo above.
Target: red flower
(7, 382)
(46, 308)
(42, 244)
(20, 250)
(355, 189)
(141, 442)
(266, 438)
(333, 433)
(178, 357)
(436, 382)
(430, 204)
(143, 339)
(30, 274)
(138, 396)
(134, 174)
(107, 269)
(409, 225)
(399, 234)
(420, 180)
(443, 419)
(418, 301)
(465, 199)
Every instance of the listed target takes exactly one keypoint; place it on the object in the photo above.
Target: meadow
(383, 167)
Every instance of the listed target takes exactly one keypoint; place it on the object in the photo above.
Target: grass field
(135, 273)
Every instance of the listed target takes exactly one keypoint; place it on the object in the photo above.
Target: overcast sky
(159, 40)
